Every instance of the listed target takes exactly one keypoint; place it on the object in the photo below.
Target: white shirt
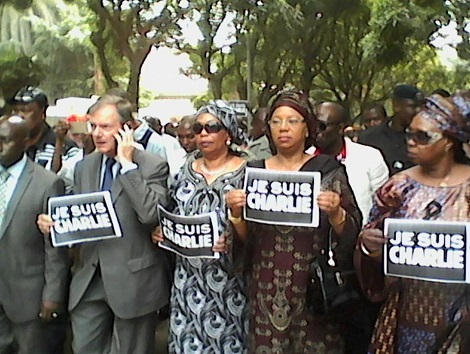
(175, 152)
(367, 172)
(68, 169)
(155, 145)
(118, 168)
(15, 172)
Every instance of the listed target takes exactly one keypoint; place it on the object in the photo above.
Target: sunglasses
(210, 128)
(423, 138)
(324, 125)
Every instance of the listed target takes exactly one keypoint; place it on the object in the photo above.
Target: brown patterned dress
(280, 257)
(418, 316)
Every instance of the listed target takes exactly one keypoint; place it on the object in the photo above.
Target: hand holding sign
(236, 200)
(45, 223)
(329, 202)
(221, 245)
(157, 235)
(373, 240)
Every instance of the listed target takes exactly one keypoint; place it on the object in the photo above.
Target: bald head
(332, 112)
(14, 138)
(332, 118)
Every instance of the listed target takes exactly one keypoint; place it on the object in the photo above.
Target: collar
(340, 157)
(16, 169)
(141, 129)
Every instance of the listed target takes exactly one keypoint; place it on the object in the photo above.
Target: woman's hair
(299, 101)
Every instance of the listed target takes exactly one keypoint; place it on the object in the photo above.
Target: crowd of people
(274, 288)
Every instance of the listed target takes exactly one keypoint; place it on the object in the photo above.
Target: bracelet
(342, 220)
(234, 220)
(367, 252)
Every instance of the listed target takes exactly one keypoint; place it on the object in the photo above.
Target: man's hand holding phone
(125, 145)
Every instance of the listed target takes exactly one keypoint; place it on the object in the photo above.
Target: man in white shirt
(365, 165)
(175, 153)
(367, 171)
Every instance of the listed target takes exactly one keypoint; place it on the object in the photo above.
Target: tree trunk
(136, 63)
(216, 87)
(98, 86)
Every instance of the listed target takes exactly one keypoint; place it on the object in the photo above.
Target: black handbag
(332, 289)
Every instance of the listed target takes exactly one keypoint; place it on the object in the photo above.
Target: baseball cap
(405, 91)
(29, 94)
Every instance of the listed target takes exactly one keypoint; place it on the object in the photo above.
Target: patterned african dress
(418, 316)
(208, 306)
(280, 322)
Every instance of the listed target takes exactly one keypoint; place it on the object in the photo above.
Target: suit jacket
(31, 270)
(132, 267)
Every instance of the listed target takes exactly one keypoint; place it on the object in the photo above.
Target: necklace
(217, 171)
(444, 183)
(445, 180)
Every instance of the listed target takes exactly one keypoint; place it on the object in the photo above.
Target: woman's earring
(228, 142)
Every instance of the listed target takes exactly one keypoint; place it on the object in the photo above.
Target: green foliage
(47, 33)
(133, 28)
(348, 51)
(18, 4)
(16, 70)
(66, 58)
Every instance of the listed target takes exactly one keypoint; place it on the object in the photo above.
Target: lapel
(91, 175)
(23, 183)
(116, 188)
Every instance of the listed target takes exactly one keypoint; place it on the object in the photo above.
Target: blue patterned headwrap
(227, 116)
(451, 115)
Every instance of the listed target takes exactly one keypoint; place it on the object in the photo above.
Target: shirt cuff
(128, 166)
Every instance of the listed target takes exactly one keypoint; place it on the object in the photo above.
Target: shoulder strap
(145, 139)
(322, 163)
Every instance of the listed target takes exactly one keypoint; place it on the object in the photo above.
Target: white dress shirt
(367, 172)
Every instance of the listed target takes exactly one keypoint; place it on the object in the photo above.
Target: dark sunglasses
(210, 128)
(324, 125)
(423, 138)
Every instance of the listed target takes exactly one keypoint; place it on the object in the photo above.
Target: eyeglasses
(423, 138)
(210, 127)
(324, 125)
(291, 122)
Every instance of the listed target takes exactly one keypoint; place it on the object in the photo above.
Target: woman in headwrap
(279, 264)
(421, 316)
(207, 305)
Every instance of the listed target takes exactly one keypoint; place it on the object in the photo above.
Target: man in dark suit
(389, 137)
(121, 283)
(33, 274)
